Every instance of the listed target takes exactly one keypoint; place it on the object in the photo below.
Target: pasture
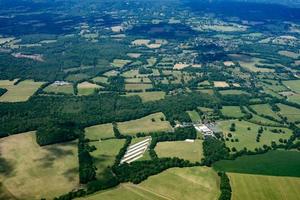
(86, 88)
(105, 154)
(249, 187)
(201, 181)
(191, 151)
(232, 111)
(149, 96)
(20, 92)
(233, 92)
(152, 123)
(57, 89)
(194, 116)
(273, 163)
(250, 63)
(246, 133)
(261, 120)
(265, 109)
(289, 54)
(137, 86)
(220, 84)
(35, 172)
(291, 113)
(294, 85)
(100, 79)
(99, 131)
(120, 63)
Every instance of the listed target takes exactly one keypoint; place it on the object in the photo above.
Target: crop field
(87, 88)
(247, 138)
(65, 89)
(293, 85)
(265, 109)
(220, 84)
(291, 113)
(273, 163)
(249, 187)
(105, 153)
(250, 63)
(100, 79)
(145, 125)
(201, 181)
(191, 151)
(232, 111)
(138, 86)
(194, 116)
(149, 96)
(233, 92)
(289, 54)
(99, 131)
(20, 92)
(32, 170)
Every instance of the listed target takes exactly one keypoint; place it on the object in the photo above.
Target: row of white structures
(136, 151)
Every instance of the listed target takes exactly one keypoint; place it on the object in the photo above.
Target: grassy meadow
(265, 109)
(65, 89)
(145, 125)
(291, 113)
(87, 88)
(192, 151)
(194, 116)
(99, 131)
(20, 92)
(149, 96)
(246, 133)
(201, 181)
(35, 172)
(249, 187)
(232, 111)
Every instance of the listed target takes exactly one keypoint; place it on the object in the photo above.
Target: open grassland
(137, 86)
(249, 187)
(233, 92)
(293, 85)
(289, 54)
(175, 183)
(291, 113)
(99, 131)
(265, 109)
(77, 77)
(20, 92)
(87, 88)
(100, 79)
(261, 120)
(191, 151)
(247, 138)
(273, 163)
(33, 172)
(120, 63)
(138, 80)
(65, 89)
(250, 63)
(149, 96)
(220, 84)
(232, 111)
(105, 153)
(152, 123)
(194, 116)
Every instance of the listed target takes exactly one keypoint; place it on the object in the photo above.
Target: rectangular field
(99, 131)
(232, 111)
(137, 86)
(20, 92)
(192, 151)
(293, 85)
(249, 187)
(152, 123)
(265, 109)
(65, 89)
(175, 184)
(194, 116)
(149, 96)
(34, 172)
(87, 88)
(291, 113)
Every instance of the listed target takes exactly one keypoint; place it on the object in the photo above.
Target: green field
(35, 172)
(105, 154)
(265, 109)
(247, 138)
(291, 113)
(20, 92)
(191, 151)
(249, 187)
(293, 85)
(273, 163)
(149, 96)
(194, 116)
(87, 88)
(145, 125)
(232, 111)
(65, 89)
(137, 86)
(99, 131)
(77, 77)
(199, 181)
(233, 92)
(261, 120)
(100, 79)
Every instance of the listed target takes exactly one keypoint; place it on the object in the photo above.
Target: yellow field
(99, 131)
(191, 151)
(20, 92)
(87, 88)
(172, 184)
(35, 172)
(145, 125)
(258, 187)
(220, 84)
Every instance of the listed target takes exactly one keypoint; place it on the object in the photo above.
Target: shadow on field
(70, 174)
(6, 167)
